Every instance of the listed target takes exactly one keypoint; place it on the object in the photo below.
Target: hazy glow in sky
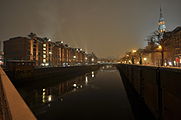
(106, 27)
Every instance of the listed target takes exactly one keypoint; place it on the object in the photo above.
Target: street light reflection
(93, 74)
(86, 80)
(49, 98)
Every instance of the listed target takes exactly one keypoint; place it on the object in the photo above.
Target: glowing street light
(160, 47)
(134, 51)
(92, 59)
(162, 54)
(145, 59)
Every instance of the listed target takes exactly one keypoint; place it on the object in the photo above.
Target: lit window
(44, 60)
(44, 48)
(44, 52)
(44, 56)
(44, 45)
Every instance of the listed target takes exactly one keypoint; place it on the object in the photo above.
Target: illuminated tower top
(161, 23)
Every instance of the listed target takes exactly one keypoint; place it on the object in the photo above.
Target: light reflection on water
(42, 98)
(97, 93)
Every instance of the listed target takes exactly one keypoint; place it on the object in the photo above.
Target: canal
(98, 94)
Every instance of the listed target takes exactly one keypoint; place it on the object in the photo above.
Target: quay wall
(158, 87)
(25, 76)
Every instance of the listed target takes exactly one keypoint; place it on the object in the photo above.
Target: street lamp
(145, 59)
(162, 54)
(92, 59)
(160, 47)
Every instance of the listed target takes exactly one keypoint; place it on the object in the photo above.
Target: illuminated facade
(173, 47)
(43, 52)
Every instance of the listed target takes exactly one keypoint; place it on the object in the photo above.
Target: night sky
(105, 27)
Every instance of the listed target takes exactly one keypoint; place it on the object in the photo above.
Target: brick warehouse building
(43, 52)
(172, 45)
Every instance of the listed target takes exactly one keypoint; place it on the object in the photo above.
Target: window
(44, 60)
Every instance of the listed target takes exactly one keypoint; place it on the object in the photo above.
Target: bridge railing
(12, 105)
(5, 114)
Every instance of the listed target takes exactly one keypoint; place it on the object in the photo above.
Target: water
(95, 95)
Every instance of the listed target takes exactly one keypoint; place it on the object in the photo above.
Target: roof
(177, 29)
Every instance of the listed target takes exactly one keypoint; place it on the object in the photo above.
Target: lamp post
(160, 47)
(132, 58)
(140, 60)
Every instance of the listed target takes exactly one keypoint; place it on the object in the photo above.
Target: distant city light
(144, 59)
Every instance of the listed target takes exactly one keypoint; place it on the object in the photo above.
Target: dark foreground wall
(159, 87)
(42, 73)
